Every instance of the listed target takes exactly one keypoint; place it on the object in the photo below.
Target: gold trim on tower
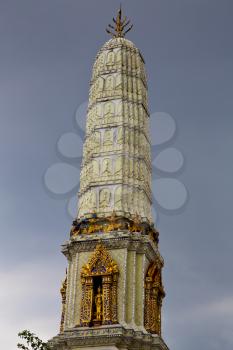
(113, 223)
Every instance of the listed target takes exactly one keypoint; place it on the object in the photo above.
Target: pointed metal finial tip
(120, 27)
(120, 9)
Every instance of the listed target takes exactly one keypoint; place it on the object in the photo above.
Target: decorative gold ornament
(114, 223)
(63, 296)
(154, 293)
(120, 26)
(136, 225)
(99, 289)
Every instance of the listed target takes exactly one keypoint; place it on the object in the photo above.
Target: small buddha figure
(141, 171)
(98, 110)
(118, 166)
(108, 110)
(101, 61)
(127, 141)
(125, 84)
(133, 63)
(110, 58)
(130, 112)
(107, 167)
(99, 84)
(109, 83)
(140, 88)
(118, 57)
(92, 199)
(96, 140)
(99, 304)
(120, 109)
(120, 136)
(105, 197)
(141, 116)
(131, 167)
(118, 198)
(108, 137)
(118, 82)
(143, 143)
(130, 84)
(96, 87)
(95, 168)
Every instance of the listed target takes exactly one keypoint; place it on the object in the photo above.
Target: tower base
(114, 337)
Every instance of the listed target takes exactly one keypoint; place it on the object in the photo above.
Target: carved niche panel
(95, 141)
(99, 85)
(109, 110)
(119, 108)
(154, 294)
(107, 167)
(118, 56)
(101, 61)
(99, 289)
(88, 201)
(118, 197)
(104, 198)
(109, 83)
(118, 82)
(120, 135)
(108, 138)
(95, 168)
(110, 59)
(99, 110)
(118, 167)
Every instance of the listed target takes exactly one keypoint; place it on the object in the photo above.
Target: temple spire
(120, 26)
(112, 294)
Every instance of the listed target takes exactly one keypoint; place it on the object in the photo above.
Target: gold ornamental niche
(99, 289)
(154, 294)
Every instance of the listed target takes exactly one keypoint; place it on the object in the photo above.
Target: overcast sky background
(47, 49)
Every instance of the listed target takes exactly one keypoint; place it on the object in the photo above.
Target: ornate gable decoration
(100, 263)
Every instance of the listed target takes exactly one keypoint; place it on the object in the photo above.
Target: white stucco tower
(112, 294)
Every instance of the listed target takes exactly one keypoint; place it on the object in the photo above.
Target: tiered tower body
(116, 167)
(113, 291)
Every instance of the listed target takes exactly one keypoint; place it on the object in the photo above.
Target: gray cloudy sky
(47, 49)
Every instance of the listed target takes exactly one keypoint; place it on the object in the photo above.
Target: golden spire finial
(120, 26)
